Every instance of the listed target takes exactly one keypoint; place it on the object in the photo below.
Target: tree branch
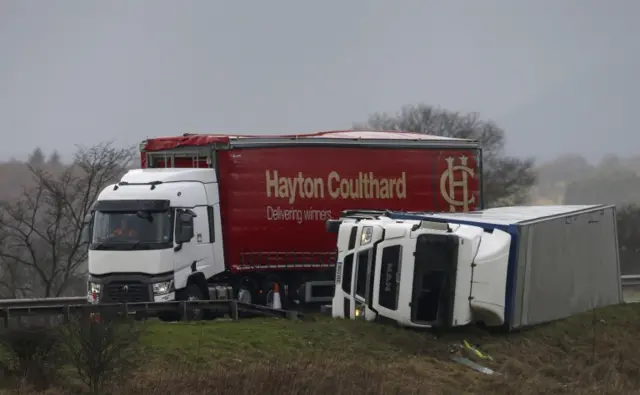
(42, 229)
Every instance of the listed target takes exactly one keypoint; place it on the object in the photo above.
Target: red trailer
(276, 193)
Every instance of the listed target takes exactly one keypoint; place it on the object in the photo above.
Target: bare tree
(507, 180)
(14, 279)
(42, 229)
(101, 351)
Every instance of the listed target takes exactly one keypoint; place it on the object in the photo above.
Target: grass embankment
(323, 356)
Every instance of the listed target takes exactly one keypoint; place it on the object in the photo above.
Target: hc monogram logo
(449, 183)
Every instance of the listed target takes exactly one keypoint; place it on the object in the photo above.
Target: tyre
(191, 293)
(246, 293)
(268, 293)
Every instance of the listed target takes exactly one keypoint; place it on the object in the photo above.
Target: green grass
(594, 353)
(560, 356)
(265, 337)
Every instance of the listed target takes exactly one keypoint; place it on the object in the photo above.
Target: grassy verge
(588, 354)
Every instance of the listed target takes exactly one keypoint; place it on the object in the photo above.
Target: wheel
(268, 294)
(246, 293)
(192, 293)
(211, 314)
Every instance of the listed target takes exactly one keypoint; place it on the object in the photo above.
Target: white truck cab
(156, 236)
(419, 273)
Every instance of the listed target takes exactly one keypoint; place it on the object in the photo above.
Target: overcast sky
(558, 75)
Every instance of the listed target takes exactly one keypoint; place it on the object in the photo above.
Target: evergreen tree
(54, 159)
(36, 159)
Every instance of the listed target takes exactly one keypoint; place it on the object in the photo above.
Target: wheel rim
(244, 296)
(269, 298)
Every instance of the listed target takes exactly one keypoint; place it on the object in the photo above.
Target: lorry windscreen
(140, 230)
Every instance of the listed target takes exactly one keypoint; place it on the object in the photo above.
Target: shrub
(33, 354)
(100, 350)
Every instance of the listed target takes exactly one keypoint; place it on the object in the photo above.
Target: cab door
(342, 303)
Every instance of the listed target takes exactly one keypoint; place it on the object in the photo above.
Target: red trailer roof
(336, 136)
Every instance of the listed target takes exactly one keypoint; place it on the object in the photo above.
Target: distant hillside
(572, 118)
(15, 175)
(614, 180)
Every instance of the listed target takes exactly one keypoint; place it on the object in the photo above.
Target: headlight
(367, 235)
(359, 311)
(93, 292)
(94, 288)
(163, 288)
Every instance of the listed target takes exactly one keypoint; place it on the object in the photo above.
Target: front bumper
(165, 298)
(127, 288)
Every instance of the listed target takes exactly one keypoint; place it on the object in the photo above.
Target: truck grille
(126, 293)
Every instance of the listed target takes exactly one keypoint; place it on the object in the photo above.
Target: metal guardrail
(42, 301)
(630, 280)
(67, 305)
(29, 307)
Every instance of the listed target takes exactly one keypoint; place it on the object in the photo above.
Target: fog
(557, 76)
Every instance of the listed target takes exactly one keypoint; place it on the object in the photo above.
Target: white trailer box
(563, 259)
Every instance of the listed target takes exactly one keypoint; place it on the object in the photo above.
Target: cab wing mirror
(333, 225)
(185, 234)
(185, 218)
(184, 228)
(87, 227)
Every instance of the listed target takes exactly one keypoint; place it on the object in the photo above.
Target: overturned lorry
(510, 267)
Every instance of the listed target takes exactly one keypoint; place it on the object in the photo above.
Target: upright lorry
(507, 266)
(214, 216)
